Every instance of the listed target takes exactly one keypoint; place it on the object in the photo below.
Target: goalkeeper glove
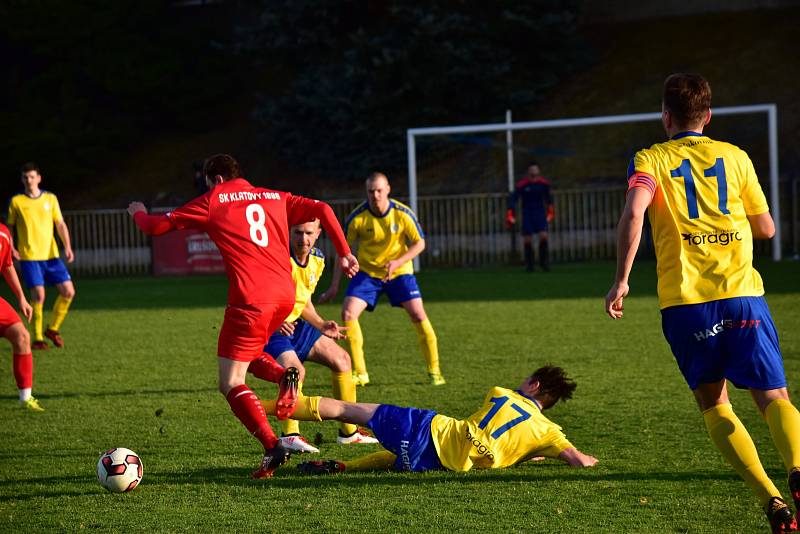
(510, 220)
(551, 213)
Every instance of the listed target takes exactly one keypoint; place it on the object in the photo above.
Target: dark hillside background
(117, 100)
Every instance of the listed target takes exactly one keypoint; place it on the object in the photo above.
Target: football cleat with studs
(359, 437)
(297, 443)
(780, 516)
(55, 337)
(32, 404)
(360, 379)
(272, 460)
(321, 467)
(437, 379)
(287, 393)
(40, 344)
(794, 488)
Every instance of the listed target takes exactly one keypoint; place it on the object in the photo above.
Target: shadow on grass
(103, 394)
(291, 480)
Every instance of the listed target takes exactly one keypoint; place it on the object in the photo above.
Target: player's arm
(762, 225)
(300, 210)
(629, 234)
(549, 204)
(328, 328)
(329, 294)
(413, 251)
(11, 221)
(149, 224)
(63, 233)
(10, 274)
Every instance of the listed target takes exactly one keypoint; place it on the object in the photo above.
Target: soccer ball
(119, 470)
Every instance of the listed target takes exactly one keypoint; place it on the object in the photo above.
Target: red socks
(23, 370)
(266, 368)
(247, 407)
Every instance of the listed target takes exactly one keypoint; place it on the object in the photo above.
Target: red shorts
(8, 316)
(246, 329)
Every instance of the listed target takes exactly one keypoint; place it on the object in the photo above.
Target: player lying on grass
(509, 428)
(305, 336)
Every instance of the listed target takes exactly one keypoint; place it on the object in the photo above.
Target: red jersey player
(250, 226)
(12, 329)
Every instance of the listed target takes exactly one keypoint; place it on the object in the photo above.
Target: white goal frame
(772, 127)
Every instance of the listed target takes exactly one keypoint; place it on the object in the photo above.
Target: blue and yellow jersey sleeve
(34, 220)
(384, 237)
(702, 191)
(509, 428)
(305, 279)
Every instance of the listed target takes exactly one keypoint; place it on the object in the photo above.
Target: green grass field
(138, 346)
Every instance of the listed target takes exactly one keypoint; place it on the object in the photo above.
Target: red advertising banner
(186, 252)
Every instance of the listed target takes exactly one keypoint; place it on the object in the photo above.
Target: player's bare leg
(20, 340)
(37, 303)
(248, 409)
(352, 308)
(428, 343)
(66, 292)
(326, 352)
(734, 442)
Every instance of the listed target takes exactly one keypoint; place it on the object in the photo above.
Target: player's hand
(510, 219)
(328, 295)
(26, 309)
(286, 329)
(551, 213)
(333, 330)
(391, 267)
(349, 265)
(135, 207)
(614, 299)
(69, 255)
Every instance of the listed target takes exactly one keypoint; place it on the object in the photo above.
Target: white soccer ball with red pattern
(119, 470)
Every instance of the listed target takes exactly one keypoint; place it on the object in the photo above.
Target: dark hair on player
(28, 167)
(688, 97)
(221, 165)
(531, 163)
(553, 381)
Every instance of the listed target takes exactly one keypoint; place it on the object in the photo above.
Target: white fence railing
(460, 230)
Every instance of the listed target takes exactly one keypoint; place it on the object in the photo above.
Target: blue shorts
(44, 273)
(406, 432)
(399, 290)
(301, 342)
(731, 338)
(534, 223)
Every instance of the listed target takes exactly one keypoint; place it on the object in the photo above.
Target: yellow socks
(60, 309)
(356, 339)
(344, 389)
(731, 438)
(784, 426)
(371, 462)
(427, 342)
(292, 426)
(306, 409)
(38, 335)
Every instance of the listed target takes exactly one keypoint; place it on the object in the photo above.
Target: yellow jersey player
(389, 237)
(34, 214)
(705, 207)
(509, 428)
(305, 336)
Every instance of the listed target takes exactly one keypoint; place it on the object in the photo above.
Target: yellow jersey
(34, 219)
(382, 238)
(703, 190)
(305, 279)
(508, 429)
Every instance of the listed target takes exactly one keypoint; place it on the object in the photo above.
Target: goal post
(772, 127)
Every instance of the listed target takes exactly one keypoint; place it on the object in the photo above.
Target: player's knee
(20, 340)
(340, 363)
(67, 292)
(348, 315)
